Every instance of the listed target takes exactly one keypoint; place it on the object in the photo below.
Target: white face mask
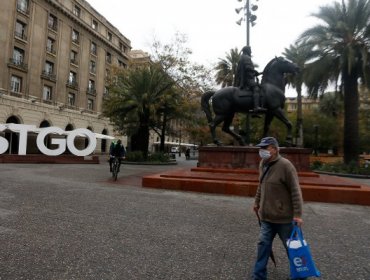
(264, 154)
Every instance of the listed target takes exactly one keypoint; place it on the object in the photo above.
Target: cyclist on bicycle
(116, 150)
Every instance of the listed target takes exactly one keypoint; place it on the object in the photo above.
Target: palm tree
(226, 68)
(342, 47)
(299, 54)
(136, 95)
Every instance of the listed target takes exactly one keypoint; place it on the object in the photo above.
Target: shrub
(161, 157)
(338, 167)
(135, 156)
(316, 164)
(138, 156)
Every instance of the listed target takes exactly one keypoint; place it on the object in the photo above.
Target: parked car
(174, 149)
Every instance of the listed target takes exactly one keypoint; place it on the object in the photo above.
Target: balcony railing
(21, 8)
(16, 94)
(91, 91)
(48, 101)
(51, 50)
(53, 26)
(72, 84)
(20, 35)
(17, 63)
(49, 75)
(74, 61)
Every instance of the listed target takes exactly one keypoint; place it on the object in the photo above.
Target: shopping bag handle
(296, 234)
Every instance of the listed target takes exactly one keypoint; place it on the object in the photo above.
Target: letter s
(4, 145)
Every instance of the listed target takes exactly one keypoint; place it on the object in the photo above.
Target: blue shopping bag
(300, 259)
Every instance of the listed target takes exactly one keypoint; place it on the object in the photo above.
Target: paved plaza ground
(73, 222)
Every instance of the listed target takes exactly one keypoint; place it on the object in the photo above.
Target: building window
(94, 25)
(92, 67)
(93, 48)
(71, 99)
(106, 91)
(15, 84)
(22, 5)
(20, 30)
(91, 87)
(47, 93)
(109, 36)
(77, 11)
(90, 104)
(52, 22)
(49, 68)
(50, 45)
(18, 56)
(73, 57)
(121, 64)
(72, 79)
(109, 57)
(91, 84)
(75, 36)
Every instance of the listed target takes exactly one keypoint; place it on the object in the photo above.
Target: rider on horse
(245, 78)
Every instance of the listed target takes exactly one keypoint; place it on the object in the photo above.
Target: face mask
(264, 154)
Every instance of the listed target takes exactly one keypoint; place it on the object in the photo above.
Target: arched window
(103, 146)
(47, 140)
(69, 127)
(12, 137)
(86, 139)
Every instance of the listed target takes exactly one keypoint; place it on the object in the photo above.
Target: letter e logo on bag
(297, 261)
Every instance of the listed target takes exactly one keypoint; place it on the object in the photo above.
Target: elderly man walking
(278, 202)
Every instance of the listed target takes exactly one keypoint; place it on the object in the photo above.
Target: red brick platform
(243, 182)
(39, 158)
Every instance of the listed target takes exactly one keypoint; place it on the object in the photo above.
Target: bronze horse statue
(230, 100)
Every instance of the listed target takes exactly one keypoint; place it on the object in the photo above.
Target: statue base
(248, 158)
(234, 171)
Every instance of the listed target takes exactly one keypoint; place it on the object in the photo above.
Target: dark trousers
(111, 162)
(268, 232)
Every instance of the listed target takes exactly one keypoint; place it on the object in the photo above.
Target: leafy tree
(342, 48)
(134, 97)
(149, 96)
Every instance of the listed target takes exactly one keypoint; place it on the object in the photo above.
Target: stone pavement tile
(71, 222)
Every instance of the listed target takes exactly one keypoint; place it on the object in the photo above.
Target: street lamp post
(249, 19)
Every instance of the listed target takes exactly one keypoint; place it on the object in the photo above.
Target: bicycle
(115, 168)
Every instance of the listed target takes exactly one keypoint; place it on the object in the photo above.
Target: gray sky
(211, 24)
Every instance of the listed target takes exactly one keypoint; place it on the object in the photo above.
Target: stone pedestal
(248, 158)
(233, 171)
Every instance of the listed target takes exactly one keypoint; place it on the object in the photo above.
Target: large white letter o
(71, 138)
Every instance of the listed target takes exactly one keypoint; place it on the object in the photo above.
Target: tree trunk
(351, 110)
(163, 132)
(299, 124)
(140, 140)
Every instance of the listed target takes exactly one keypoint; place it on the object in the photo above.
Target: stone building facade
(55, 57)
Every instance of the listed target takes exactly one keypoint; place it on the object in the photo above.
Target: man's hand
(297, 220)
(256, 208)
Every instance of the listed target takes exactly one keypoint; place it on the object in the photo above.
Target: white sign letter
(71, 138)
(4, 145)
(60, 142)
(23, 130)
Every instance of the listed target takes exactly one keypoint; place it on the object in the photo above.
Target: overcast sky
(211, 24)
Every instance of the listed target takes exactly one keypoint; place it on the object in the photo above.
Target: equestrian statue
(270, 100)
